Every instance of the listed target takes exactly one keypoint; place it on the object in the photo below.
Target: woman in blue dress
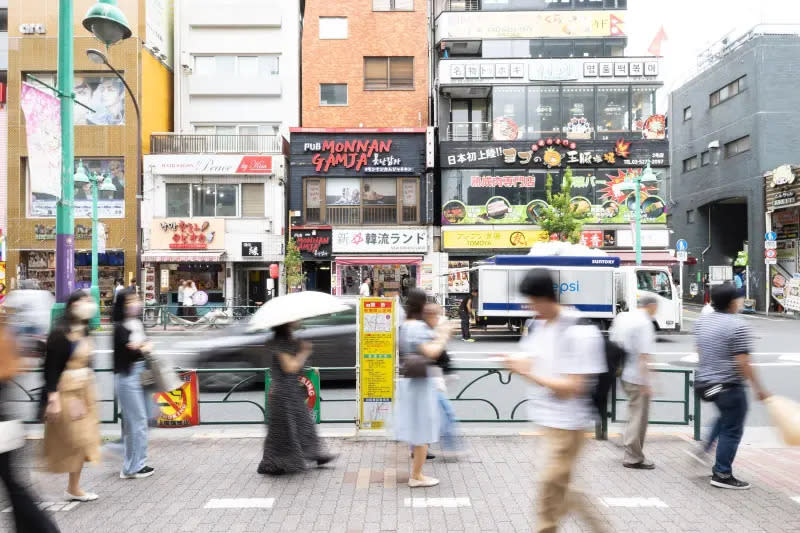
(417, 419)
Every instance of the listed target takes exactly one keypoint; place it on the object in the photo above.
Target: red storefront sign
(592, 238)
(352, 154)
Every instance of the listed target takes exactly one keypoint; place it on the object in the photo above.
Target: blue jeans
(133, 402)
(448, 423)
(728, 428)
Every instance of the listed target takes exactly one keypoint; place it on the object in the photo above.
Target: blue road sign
(681, 245)
(770, 236)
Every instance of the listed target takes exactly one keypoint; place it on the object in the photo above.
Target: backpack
(615, 360)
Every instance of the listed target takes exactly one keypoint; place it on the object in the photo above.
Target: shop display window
(508, 113)
(543, 108)
(178, 201)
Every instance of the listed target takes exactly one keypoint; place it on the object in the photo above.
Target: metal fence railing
(205, 317)
(182, 143)
(469, 394)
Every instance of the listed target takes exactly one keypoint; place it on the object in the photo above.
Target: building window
(178, 201)
(354, 201)
(643, 106)
(727, 92)
(505, 48)
(742, 144)
(589, 48)
(508, 113)
(253, 200)
(388, 73)
(249, 66)
(202, 200)
(393, 5)
(690, 216)
(4, 19)
(705, 158)
(333, 27)
(612, 110)
(543, 111)
(332, 94)
(577, 111)
(690, 164)
(687, 113)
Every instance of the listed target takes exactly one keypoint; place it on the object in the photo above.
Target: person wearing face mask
(130, 348)
(71, 429)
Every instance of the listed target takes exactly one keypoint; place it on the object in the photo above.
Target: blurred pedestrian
(292, 438)
(433, 317)
(133, 286)
(130, 348)
(181, 289)
(380, 292)
(364, 289)
(189, 291)
(466, 313)
(724, 344)
(634, 331)
(27, 515)
(417, 416)
(118, 287)
(71, 430)
(564, 358)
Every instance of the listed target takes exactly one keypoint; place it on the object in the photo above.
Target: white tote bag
(163, 373)
(12, 435)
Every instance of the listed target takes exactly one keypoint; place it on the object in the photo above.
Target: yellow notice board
(377, 319)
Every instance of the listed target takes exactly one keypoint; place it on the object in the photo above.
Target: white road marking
(437, 502)
(633, 502)
(240, 503)
(796, 499)
(691, 358)
(790, 357)
(50, 506)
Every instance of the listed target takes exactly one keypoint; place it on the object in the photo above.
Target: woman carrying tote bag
(417, 414)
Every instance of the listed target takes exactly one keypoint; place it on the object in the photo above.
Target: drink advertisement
(376, 356)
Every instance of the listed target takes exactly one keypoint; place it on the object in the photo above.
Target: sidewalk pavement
(207, 483)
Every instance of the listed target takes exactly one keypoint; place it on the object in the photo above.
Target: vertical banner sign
(179, 408)
(43, 126)
(376, 357)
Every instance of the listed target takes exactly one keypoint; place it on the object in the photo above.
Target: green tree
(559, 217)
(293, 264)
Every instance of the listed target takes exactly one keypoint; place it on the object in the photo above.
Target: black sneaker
(729, 482)
(143, 473)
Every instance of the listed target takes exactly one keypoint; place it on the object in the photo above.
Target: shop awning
(174, 256)
(378, 260)
(649, 258)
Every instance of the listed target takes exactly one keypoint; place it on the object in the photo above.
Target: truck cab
(655, 281)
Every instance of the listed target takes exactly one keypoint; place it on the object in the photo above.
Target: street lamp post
(97, 57)
(635, 183)
(107, 22)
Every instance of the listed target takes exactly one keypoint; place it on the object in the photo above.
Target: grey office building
(735, 121)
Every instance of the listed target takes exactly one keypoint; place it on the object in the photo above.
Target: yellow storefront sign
(492, 238)
(376, 346)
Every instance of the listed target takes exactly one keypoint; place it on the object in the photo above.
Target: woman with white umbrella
(292, 441)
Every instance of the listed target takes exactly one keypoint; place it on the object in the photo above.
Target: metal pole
(680, 296)
(95, 289)
(65, 222)
(638, 181)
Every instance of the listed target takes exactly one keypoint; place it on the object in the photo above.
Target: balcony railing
(469, 131)
(179, 143)
(353, 215)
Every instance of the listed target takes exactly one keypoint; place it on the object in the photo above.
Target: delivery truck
(596, 287)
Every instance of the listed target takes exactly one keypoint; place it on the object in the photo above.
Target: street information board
(377, 346)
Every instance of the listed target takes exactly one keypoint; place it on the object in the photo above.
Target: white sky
(693, 25)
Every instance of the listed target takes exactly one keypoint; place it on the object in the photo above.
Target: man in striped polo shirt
(724, 343)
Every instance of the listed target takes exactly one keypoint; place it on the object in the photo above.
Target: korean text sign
(376, 357)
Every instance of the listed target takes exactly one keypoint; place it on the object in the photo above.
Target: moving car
(333, 338)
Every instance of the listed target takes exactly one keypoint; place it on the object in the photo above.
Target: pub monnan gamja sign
(354, 154)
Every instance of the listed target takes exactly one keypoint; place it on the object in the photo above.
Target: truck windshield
(654, 281)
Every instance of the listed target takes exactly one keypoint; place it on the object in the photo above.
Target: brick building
(360, 163)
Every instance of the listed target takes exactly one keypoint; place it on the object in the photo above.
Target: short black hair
(723, 295)
(415, 303)
(538, 283)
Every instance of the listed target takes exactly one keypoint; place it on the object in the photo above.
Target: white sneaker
(87, 497)
(424, 482)
(143, 473)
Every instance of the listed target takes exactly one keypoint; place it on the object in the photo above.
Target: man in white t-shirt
(635, 333)
(564, 359)
(364, 290)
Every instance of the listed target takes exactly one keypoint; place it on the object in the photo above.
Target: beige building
(105, 138)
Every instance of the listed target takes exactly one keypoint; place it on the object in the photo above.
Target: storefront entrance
(318, 276)
(391, 276)
(254, 287)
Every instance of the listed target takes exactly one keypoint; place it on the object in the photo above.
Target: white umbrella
(294, 307)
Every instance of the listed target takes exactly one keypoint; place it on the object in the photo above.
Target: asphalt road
(486, 395)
